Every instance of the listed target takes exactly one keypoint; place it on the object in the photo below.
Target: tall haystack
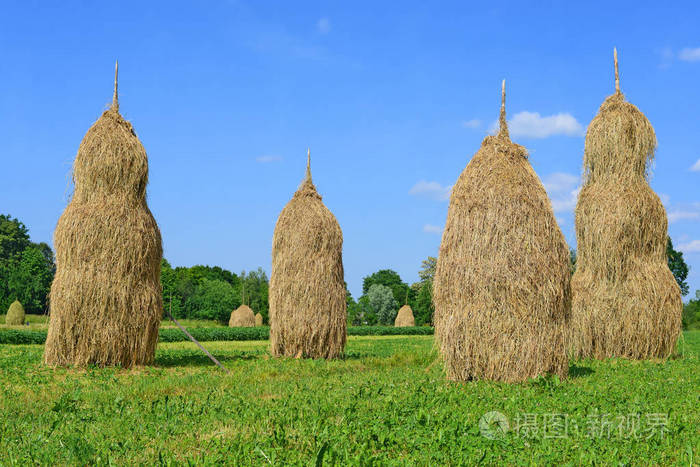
(501, 288)
(404, 317)
(307, 289)
(242, 317)
(625, 301)
(15, 314)
(258, 319)
(106, 301)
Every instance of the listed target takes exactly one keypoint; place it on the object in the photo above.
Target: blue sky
(393, 99)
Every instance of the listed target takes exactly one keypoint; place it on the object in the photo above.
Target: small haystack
(626, 302)
(15, 314)
(258, 319)
(405, 317)
(501, 288)
(307, 289)
(106, 301)
(242, 317)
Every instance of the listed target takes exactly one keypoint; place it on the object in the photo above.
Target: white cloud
(323, 25)
(665, 199)
(533, 125)
(429, 228)
(432, 190)
(689, 54)
(690, 247)
(268, 159)
(473, 123)
(679, 215)
(563, 190)
(696, 166)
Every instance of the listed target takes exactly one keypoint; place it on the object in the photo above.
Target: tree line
(211, 292)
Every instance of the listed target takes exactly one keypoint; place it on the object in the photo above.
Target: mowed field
(387, 403)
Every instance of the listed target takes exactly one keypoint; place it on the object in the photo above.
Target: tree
(14, 238)
(424, 304)
(391, 279)
(382, 302)
(30, 281)
(677, 265)
(213, 299)
(427, 269)
(691, 313)
(26, 268)
(255, 284)
(572, 260)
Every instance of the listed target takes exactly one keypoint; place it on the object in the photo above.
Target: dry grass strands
(626, 302)
(106, 301)
(258, 319)
(404, 318)
(15, 314)
(242, 317)
(501, 289)
(307, 289)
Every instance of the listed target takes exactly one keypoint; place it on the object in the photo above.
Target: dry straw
(404, 318)
(242, 317)
(307, 289)
(106, 301)
(15, 314)
(258, 319)
(502, 294)
(626, 302)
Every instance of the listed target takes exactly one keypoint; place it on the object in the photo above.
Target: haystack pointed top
(502, 123)
(308, 166)
(617, 73)
(115, 98)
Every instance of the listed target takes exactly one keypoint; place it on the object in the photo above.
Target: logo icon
(493, 425)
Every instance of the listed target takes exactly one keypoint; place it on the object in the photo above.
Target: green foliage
(15, 314)
(427, 269)
(386, 404)
(213, 299)
(254, 289)
(572, 260)
(382, 302)
(26, 268)
(677, 265)
(30, 281)
(222, 333)
(391, 279)
(423, 312)
(691, 313)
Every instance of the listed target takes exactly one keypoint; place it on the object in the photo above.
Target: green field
(386, 403)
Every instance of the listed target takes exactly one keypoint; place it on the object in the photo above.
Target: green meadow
(386, 403)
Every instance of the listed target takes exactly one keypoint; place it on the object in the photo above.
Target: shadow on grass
(577, 371)
(193, 359)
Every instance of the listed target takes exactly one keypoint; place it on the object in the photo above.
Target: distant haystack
(307, 288)
(15, 314)
(626, 302)
(258, 319)
(106, 301)
(242, 317)
(404, 318)
(501, 288)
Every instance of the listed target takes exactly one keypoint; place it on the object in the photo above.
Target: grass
(41, 322)
(387, 403)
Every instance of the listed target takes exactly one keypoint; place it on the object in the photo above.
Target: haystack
(242, 317)
(106, 301)
(307, 290)
(258, 319)
(501, 288)
(405, 317)
(626, 302)
(15, 314)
